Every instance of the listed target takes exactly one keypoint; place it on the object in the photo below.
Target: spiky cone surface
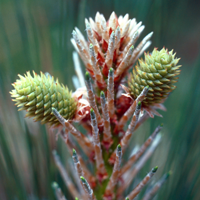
(158, 71)
(38, 94)
(110, 44)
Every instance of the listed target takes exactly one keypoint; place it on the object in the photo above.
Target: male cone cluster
(38, 94)
(158, 70)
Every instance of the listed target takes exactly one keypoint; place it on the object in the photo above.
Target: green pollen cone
(38, 94)
(158, 71)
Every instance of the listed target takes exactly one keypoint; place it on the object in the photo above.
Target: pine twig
(78, 169)
(130, 43)
(117, 40)
(115, 174)
(142, 184)
(77, 163)
(91, 98)
(139, 153)
(141, 120)
(88, 189)
(97, 147)
(58, 192)
(78, 69)
(129, 132)
(65, 176)
(155, 189)
(124, 63)
(126, 138)
(97, 73)
(81, 49)
(92, 39)
(138, 28)
(139, 48)
(82, 140)
(107, 137)
(110, 92)
(133, 172)
(131, 110)
(109, 55)
(71, 146)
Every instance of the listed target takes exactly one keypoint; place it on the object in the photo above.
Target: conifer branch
(65, 176)
(107, 137)
(78, 167)
(133, 172)
(131, 110)
(124, 63)
(82, 51)
(72, 146)
(139, 48)
(91, 98)
(149, 195)
(96, 70)
(128, 46)
(110, 93)
(101, 171)
(85, 143)
(126, 138)
(115, 174)
(92, 39)
(142, 184)
(140, 152)
(141, 120)
(109, 55)
(117, 40)
(88, 189)
(58, 193)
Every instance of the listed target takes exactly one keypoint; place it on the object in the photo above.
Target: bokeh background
(35, 35)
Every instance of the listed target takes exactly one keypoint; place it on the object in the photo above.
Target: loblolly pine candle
(103, 109)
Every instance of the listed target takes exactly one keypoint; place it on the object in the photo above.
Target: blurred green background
(35, 35)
